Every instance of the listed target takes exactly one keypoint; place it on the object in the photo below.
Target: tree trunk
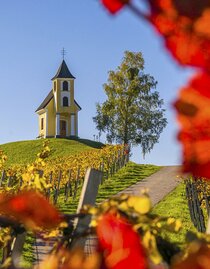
(125, 136)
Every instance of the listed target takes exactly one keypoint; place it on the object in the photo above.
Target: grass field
(24, 152)
(175, 205)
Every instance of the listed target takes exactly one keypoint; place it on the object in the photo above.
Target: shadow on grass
(90, 143)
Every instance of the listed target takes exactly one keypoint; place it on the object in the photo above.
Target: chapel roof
(46, 101)
(49, 98)
(63, 72)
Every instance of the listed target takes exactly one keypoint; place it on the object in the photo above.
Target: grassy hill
(23, 152)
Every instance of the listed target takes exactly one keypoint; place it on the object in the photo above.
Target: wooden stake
(2, 177)
(88, 196)
(208, 226)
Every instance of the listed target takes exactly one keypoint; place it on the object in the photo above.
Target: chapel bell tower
(58, 113)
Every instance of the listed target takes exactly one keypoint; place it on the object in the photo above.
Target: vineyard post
(9, 181)
(48, 190)
(54, 194)
(70, 184)
(122, 159)
(208, 210)
(111, 167)
(102, 170)
(207, 199)
(196, 212)
(76, 183)
(108, 167)
(88, 196)
(189, 199)
(59, 181)
(118, 160)
(57, 189)
(114, 165)
(18, 248)
(20, 182)
(68, 189)
(6, 251)
(65, 191)
(208, 226)
(2, 177)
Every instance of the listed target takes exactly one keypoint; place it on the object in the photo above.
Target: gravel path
(159, 184)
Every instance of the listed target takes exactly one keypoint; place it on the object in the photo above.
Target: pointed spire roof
(63, 72)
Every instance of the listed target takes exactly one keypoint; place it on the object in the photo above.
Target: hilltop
(22, 152)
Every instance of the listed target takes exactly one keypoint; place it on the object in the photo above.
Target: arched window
(65, 101)
(54, 85)
(65, 86)
(42, 123)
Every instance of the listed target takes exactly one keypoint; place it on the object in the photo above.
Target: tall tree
(132, 113)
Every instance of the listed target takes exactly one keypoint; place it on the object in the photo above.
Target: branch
(138, 12)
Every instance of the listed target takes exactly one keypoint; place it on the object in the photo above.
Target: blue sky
(32, 36)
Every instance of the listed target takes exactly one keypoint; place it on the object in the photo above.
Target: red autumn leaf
(201, 84)
(120, 243)
(189, 49)
(187, 37)
(193, 107)
(30, 208)
(114, 5)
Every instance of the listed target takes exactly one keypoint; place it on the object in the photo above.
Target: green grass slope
(126, 176)
(23, 152)
(175, 205)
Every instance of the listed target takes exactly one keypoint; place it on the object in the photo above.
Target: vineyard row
(63, 175)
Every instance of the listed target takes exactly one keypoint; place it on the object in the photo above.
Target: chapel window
(65, 86)
(65, 101)
(42, 123)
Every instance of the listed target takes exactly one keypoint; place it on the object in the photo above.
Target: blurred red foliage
(191, 8)
(120, 243)
(185, 28)
(193, 107)
(30, 208)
